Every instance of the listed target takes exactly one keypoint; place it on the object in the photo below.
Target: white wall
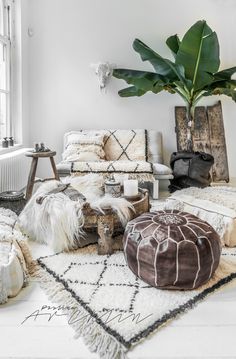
(69, 35)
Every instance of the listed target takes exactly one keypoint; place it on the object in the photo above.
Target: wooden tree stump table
(105, 223)
(31, 179)
(108, 224)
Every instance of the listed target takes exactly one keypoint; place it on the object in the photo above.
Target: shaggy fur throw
(58, 221)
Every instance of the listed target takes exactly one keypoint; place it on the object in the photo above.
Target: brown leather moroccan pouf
(171, 249)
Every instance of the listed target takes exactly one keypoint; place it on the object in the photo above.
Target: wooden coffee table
(108, 224)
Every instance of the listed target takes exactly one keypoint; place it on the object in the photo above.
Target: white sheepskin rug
(58, 221)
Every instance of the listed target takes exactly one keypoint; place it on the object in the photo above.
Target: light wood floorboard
(208, 331)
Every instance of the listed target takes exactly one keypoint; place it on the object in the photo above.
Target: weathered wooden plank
(181, 128)
(201, 138)
(208, 136)
(218, 145)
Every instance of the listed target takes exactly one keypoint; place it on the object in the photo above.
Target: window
(5, 67)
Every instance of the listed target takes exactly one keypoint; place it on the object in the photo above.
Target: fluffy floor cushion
(14, 256)
(215, 205)
(58, 221)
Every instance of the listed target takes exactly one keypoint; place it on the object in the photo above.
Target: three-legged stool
(31, 179)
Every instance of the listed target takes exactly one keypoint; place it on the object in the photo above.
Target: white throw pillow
(84, 147)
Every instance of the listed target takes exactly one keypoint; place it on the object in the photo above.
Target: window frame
(6, 39)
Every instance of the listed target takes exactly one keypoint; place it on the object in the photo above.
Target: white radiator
(14, 170)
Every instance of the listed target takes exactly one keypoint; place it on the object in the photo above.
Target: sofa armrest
(164, 177)
(160, 169)
(155, 151)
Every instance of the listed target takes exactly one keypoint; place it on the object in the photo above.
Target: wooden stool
(31, 179)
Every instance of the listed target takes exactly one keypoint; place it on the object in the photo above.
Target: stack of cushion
(13, 269)
(216, 205)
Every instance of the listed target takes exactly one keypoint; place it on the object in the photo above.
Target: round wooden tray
(91, 216)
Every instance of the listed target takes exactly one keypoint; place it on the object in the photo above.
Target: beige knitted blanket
(216, 205)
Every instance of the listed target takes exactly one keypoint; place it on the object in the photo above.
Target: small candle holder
(4, 142)
(11, 141)
(40, 147)
(112, 187)
(36, 147)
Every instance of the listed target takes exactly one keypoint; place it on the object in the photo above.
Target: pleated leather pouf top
(171, 249)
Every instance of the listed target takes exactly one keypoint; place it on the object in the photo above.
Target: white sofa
(154, 156)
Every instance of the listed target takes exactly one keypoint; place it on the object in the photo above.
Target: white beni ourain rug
(108, 305)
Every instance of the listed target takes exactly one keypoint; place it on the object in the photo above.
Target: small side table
(31, 179)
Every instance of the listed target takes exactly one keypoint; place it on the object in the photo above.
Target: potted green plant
(192, 75)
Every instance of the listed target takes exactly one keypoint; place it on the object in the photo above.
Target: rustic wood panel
(218, 145)
(208, 136)
(201, 139)
(181, 128)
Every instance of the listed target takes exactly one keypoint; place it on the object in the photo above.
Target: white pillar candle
(130, 188)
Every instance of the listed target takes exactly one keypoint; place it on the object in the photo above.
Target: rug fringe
(94, 336)
(25, 251)
(226, 276)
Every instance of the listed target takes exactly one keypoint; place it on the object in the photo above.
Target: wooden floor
(207, 331)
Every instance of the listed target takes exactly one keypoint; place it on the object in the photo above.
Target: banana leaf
(173, 42)
(194, 73)
(199, 54)
(225, 74)
(161, 65)
(131, 91)
(141, 79)
(227, 88)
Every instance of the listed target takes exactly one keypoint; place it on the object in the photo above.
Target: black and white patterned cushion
(126, 145)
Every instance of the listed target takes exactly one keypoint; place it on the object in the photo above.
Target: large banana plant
(192, 75)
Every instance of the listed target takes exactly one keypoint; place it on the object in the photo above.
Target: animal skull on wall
(104, 71)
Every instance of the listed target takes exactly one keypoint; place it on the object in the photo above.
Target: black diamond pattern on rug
(104, 285)
(99, 282)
